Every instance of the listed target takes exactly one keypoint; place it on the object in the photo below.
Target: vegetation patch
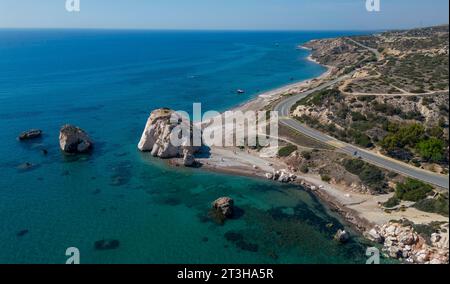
(287, 150)
(439, 205)
(369, 175)
(413, 190)
(392, 202)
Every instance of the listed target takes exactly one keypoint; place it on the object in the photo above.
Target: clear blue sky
(224, 14)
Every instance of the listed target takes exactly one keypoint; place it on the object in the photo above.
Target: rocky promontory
(163, 127)
(401, 241)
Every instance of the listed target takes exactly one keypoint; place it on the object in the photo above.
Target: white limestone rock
(162, 129)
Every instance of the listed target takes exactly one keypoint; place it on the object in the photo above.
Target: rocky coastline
(400, 239)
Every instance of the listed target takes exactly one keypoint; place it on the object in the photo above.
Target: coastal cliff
(163, 127)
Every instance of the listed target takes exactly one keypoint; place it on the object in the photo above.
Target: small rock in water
(22, 233)
(106, 244)
(189, 159)
(74, 140)
(25, 166)
(224, 205)
(44, 152)
(342, 236)
(30, 134)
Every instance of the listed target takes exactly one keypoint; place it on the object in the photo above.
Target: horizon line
(218, 29)
(131, 28)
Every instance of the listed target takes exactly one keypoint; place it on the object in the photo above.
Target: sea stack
(224, 206)
(74, 140)
(163, 127)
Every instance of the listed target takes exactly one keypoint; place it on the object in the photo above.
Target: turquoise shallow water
(107, 82)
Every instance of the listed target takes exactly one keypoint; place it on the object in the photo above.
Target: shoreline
(348, 199)
(359, 211)
(230, 161)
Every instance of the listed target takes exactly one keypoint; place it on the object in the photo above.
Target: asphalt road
(373, 50)
(286, 105)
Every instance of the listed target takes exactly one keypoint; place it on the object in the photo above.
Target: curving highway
(284, 110)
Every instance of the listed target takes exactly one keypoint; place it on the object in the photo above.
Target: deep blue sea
(107, 82)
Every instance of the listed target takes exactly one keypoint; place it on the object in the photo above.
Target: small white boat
(240, 91)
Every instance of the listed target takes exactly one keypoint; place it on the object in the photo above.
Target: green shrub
(413, 190)
(357, 116)
(404, 136)
(435, 131)
(304, 169)
(431, 149)
(354, 166)
(326, 178)
(369, 175)
(306, 155)
(439, 206)
(287, 150)
(366, 98)
(392, 202)
(386, 109)
(361, 139)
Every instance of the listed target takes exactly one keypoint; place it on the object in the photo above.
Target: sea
(107, 82)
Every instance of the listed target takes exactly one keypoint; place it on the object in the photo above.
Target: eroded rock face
(73, 140)
(163, 127)
(282, 176)
(224, 205)
(402, 242)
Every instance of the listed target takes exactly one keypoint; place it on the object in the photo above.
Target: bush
(326, 178)
(361, 139)
(404, 136)
(366, 98)
(357, 116)
(306, 155)
(304, 169)
(354, 165)
(413, 190)
(431, 149)
(392, 202)
(439, 206)
(386, 109)
(287, 150)
(369, 175)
